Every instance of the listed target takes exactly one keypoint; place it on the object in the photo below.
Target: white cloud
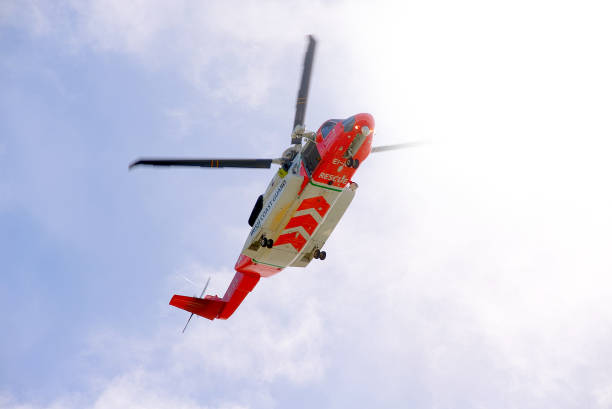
(194, 39)
(138, 390)
(135, 389)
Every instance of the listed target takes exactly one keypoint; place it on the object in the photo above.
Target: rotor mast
(302, 97)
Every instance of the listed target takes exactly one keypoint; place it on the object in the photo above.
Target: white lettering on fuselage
(264, 212)
(338, 179)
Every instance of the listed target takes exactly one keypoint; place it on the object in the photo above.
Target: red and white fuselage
(301, 207)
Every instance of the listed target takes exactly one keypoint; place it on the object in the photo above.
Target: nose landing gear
(352, 163)
(319, 254)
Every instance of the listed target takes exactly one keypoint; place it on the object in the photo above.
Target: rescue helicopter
(302, 205)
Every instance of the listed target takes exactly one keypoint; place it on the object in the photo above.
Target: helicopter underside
(298, 219)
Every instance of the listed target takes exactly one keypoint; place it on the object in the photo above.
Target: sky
(471, 272)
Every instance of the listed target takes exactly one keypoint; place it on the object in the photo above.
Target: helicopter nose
(365, 122)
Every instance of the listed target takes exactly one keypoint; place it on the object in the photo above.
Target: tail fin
(212, 307)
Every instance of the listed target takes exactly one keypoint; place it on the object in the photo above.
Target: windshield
(348, 123)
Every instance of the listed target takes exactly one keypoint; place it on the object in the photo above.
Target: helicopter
(302, 205)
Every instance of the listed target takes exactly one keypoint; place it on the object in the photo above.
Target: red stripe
(318, 203)
(306, 221)
(295, 239)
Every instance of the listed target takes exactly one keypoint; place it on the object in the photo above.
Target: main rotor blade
(395, 147)
(302, 98)
(208, 163)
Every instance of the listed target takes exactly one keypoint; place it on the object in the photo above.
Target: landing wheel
(349, 163)
(322, 255)
(263, 241)
(356, 163)
(269, 243)
(317, 253)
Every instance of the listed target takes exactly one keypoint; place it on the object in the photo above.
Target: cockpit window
(348, 123)
(327, 126)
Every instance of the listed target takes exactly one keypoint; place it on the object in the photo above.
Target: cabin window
(310, 157)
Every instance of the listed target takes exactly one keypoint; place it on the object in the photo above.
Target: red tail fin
(212, 307)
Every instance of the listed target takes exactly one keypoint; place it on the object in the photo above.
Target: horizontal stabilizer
(208, 307)
(212, 307)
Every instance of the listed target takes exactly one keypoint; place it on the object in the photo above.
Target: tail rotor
(201, 296)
